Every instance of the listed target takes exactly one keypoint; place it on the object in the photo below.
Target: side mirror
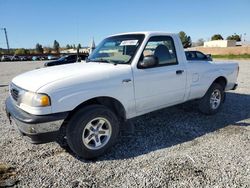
(148, 62)
(209, 57)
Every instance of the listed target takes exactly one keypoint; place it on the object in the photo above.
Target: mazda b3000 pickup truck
(126, 76)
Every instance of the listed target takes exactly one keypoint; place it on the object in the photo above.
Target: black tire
(204, 103)
(77, 127)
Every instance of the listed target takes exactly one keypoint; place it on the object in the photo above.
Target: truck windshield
(117, 49)
(62, 58)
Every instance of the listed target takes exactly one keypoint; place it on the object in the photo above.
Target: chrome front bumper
(33, 129)
(39, 129)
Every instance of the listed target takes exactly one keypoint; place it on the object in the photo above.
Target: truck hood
(33, 80)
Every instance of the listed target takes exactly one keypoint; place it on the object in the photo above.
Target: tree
(68, 46)
(234, 37)
(39, 48)
(186, 40)
(217, 37)
(21, 51)
(47, 49)
(32, 51)
(56, 46)
(200, 42)
(79, 46)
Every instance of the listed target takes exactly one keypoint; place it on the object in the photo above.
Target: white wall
(81, 50)
(220, 43)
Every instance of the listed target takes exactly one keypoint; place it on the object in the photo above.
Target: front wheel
(92, 131)
(212, 100)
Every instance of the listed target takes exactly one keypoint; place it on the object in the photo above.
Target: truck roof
(145, 33)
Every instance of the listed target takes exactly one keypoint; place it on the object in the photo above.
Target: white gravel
(174, 147)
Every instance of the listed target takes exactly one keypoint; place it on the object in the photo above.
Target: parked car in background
(24, 58)
(6, 58)
(15, 58)
(51, 57)
(35, 58)
(27, 58)
(197, 56)
(43, 58)
(66, 60)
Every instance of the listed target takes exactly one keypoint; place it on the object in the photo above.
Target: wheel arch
(221, 80)
(113, 104)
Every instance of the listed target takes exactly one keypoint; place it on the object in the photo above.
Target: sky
(78, 21)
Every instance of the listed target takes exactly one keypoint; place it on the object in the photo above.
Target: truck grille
(14, 93)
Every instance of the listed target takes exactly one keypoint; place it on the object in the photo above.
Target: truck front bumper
(36, 128)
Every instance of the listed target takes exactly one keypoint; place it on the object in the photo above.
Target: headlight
(35, 99)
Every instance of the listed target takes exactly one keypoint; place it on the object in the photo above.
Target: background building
(220, 43)
(73, 51)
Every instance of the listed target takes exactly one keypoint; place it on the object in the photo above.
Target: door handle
(126, 80)
(179, 71)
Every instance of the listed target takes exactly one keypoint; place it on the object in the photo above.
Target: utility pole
(6, 37)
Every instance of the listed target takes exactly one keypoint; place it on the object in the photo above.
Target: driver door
(164, 84)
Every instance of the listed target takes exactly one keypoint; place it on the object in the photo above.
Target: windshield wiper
(98, 60)
(101, 61)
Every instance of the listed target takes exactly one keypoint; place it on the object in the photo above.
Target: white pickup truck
(126, 76)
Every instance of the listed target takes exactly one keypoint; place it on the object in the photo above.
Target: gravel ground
(174, 147)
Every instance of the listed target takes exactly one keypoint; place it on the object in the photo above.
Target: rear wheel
(92, 131)
(212, 100)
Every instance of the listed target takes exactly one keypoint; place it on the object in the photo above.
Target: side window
(200, 55)
(190, 55)
(162, 47)
(72, 58)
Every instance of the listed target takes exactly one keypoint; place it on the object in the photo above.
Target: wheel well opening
(109, 102)
(222, 81)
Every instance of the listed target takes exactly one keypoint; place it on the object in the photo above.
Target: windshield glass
(118, 49)
(62, 58)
